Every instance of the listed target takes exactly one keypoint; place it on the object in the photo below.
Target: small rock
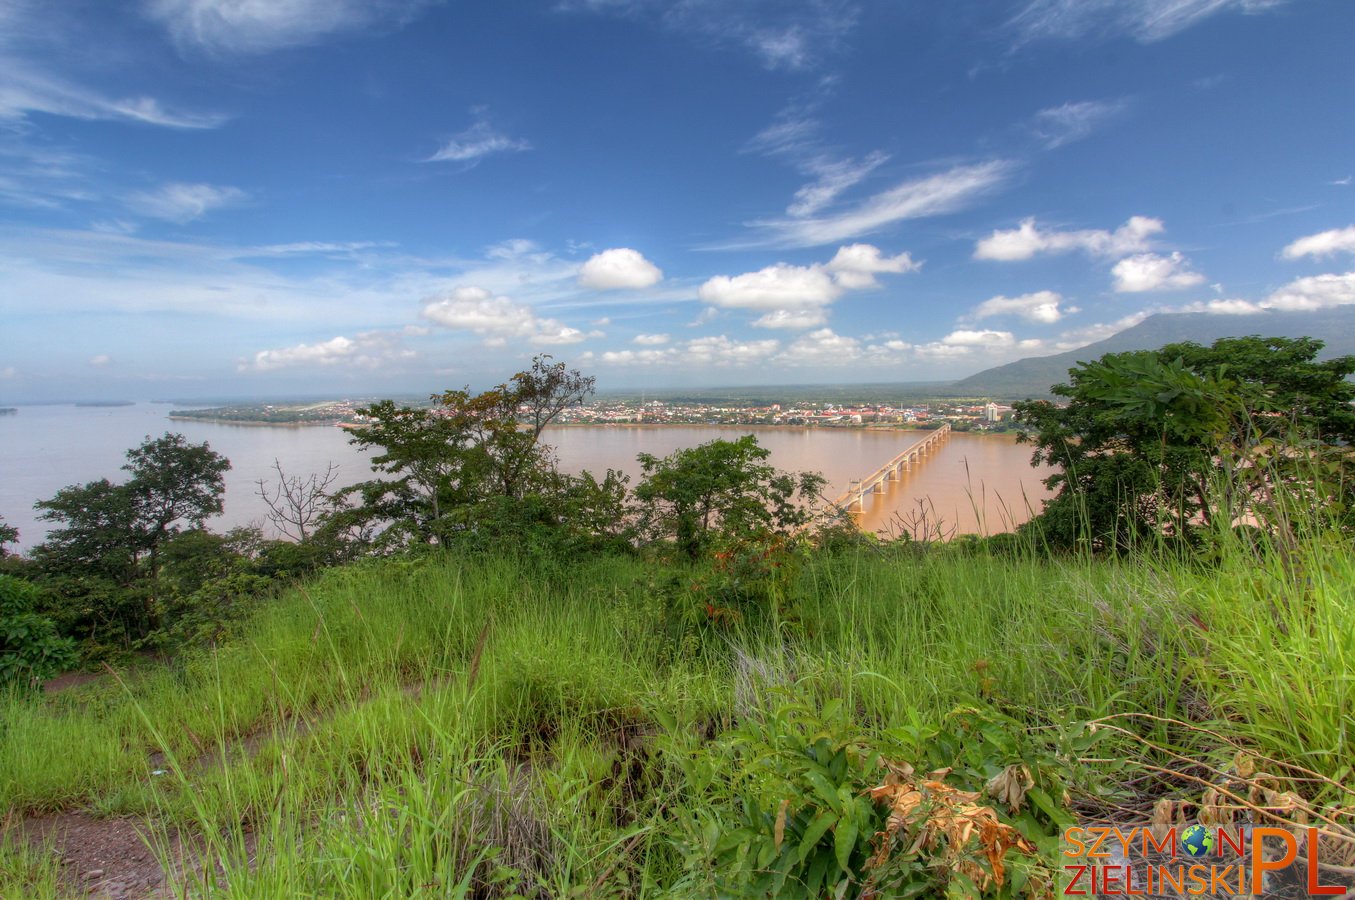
(93, 874)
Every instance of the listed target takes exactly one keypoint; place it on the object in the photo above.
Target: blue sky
(208, 197)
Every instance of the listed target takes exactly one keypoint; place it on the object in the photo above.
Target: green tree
(102, 559)
(470, 459)
(723, 488)
(173, 483)
(8, 535)
(98, 532)
(425, 452)
(505, 422)
(1144, 437)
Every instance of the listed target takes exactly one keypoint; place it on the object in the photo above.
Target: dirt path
(106, 858)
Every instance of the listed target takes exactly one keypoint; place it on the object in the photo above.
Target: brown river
(972, 483)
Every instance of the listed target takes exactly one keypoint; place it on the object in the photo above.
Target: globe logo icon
(1197, 841)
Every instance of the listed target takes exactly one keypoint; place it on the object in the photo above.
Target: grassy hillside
(1032, 377)
(451, 726)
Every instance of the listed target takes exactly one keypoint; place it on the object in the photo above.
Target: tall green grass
(446, 726)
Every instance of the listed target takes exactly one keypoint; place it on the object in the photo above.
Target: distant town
(962, 415)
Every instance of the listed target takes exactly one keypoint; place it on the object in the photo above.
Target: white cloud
(619, 268)
(475, 309)
(1029, 240)
(1144, 20)
(497, 319)
(102, 359)
(1224, 308)
(183, 203)
(552, 333)
(475, 143)
(1059, 125)
(716, 350)
(1080, 337)
(1151, 272)
(1314, 292)
(966, 338)
(707, 314)
(855, 266)
(1041, 306)
(720, 350)
(651, 340)
(792, 318)
(8, 372)
(368, 350)
(933, 195)
(1326, 243)
(780, 286)
(822, 347)
(253, 26)
(797, 296)
(637, 357)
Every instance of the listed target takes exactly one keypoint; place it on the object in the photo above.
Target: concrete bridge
(854, 500)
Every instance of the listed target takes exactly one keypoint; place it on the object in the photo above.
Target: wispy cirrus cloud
(1145, 21)
(26, 90)
(182, 203)
(481, 139)
(795, 136)
(37, 43)
(257, 26)
(1069, 122)
(931, 195)
(780, 35)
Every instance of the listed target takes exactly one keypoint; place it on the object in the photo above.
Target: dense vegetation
(476, 676)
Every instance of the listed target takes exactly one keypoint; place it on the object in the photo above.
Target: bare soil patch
(107, 858)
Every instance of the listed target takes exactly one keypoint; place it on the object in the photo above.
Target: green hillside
(1033, 376)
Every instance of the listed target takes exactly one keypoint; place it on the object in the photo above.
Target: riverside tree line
(1156, 451)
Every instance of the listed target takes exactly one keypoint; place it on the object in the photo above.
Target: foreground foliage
(475, 725)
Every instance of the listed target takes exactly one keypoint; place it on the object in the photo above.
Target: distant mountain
(1034, 376)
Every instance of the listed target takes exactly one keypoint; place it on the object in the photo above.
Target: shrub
(31, 650)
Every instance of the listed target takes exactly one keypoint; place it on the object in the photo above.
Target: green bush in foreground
(803, 803)
(31, 650)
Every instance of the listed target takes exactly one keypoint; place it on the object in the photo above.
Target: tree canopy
(721, 487)
(461, 460)
(8, 535)
(1144, 437)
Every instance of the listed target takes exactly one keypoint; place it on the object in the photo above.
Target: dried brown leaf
(1009, 786)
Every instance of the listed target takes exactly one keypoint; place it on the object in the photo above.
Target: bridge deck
(855, 495)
